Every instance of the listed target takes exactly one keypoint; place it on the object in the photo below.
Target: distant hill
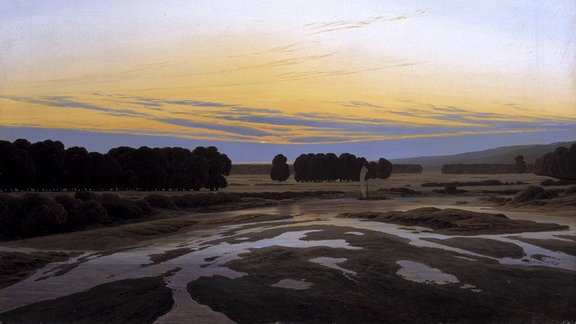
(503, 155)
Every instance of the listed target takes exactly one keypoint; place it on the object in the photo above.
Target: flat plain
(324, 256)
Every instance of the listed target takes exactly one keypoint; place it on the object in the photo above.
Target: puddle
(333, 263)
(421, 273)
(208, 256)
(293, 284)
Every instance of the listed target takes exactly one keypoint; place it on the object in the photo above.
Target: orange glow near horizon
(300, 77)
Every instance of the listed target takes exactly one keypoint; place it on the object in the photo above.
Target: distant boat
(363, 183)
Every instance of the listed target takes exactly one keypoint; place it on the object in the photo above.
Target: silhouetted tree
(520, 165)
(300, 168)
(47, 165)
(17, 169)
(383, 169)
(51, 173)
(348, 166)
(219, 165)
(106, 173)
(280, 170)
(329, 167)
(559, 164)
(78, 164)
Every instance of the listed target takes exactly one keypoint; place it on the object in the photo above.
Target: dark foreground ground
(486, 291)
(367, 288)
(370, 289)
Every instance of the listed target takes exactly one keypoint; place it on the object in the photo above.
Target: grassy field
(263, 183)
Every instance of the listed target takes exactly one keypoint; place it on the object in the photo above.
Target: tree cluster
(280, 170)
(47, 165)
(328, 167)
(559, 164)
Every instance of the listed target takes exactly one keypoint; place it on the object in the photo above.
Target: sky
(257, 78)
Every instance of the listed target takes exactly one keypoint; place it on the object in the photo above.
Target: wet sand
(346, 270)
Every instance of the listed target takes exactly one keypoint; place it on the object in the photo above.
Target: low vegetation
(37, 214)
(455, 221)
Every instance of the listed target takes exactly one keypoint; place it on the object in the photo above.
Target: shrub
(45, 219)
(532, 193)
(184, 201)
(86, 195)
(32, 200)
(145, 206)
(120, 208)
(93, 212)
(11, 215)
(73, 208)
(160, 201)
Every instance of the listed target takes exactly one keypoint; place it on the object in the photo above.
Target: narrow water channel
(205, 253)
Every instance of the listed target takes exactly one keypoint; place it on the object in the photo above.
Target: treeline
(406, 168)
(48, 166)
(483, 168)
(265, 168)
(328, 167)
(559, 164)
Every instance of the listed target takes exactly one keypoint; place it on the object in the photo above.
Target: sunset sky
(256, 78)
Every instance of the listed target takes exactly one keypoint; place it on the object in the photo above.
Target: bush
(120, 208)
(32, 200)
(86, 195)
(533, 193)
(450, 190)
(11, 216)
(160, 201)
(145, 206)
(93, 212)
(45, 219)
(551, 182)
(73, 208)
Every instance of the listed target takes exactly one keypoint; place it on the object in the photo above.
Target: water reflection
(209, 250)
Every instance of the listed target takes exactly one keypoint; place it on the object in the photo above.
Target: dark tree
(559, 164)
(332, 166)
(47, 165)
(51, 173)
(106, 173)
(383, 169)
(17, 169)
(78, 164)
(300, 168)
(219, 165)
(280, 170)
(520, 165)
(348, 167)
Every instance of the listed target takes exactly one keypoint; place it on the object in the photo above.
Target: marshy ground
(294, 260)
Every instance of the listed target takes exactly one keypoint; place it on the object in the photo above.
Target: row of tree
(559, 164)
(519, 166)
(329, 167)
(48, 165)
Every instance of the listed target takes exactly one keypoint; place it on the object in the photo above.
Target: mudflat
(425, 257)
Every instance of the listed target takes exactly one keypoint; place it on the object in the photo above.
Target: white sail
(363, 184)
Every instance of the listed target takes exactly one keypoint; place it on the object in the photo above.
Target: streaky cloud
(67, 102)
(338, 25)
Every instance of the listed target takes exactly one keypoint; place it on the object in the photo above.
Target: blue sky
(378, 79)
